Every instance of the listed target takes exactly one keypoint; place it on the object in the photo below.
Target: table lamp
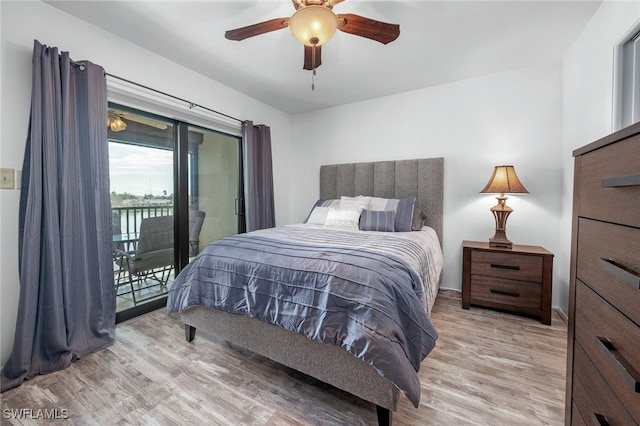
(503, 180)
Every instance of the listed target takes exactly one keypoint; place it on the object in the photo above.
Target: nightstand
(517, 280)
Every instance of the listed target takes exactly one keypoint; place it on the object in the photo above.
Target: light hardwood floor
(488, 368)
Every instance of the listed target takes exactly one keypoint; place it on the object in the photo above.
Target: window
(626, 95)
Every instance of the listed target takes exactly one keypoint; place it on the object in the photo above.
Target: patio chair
(117, 228)
(196, 219)
(153, 257)
(117, 246)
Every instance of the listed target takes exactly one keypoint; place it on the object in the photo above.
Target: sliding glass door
(174, 189)
(213, 187)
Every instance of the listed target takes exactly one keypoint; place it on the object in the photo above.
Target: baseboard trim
(562, 315)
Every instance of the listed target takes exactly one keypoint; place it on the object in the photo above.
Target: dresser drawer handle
(621, 365)
(600, 420)
(505, 293)
(630, 180)
(621, 272)
(501, 266)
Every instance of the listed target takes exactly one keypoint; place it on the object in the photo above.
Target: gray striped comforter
(368, 292)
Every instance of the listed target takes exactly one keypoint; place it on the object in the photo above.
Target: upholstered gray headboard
(422, 178)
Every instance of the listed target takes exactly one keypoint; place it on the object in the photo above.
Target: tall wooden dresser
(603, 358)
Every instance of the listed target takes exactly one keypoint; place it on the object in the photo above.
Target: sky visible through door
(140, 170)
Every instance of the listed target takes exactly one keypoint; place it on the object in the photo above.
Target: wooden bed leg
(189, 332)
(384, 416)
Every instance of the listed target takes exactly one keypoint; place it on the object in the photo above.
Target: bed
(337, 352)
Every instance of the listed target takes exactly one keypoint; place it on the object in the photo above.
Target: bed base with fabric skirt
(325, 362)
(422, 178)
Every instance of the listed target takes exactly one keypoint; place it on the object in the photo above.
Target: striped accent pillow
(404, 214)
(402, 207)
(377, 220)
(318, 215)
(322, 203)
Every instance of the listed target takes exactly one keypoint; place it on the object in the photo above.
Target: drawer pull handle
(630, 180)
(600, 420)
(622, 272)
(621, 365)
(501, 266)
(505, 293)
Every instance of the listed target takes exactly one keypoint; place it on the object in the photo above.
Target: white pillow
(342, 218)
(355, 203)
(318, 215)
(378, 203)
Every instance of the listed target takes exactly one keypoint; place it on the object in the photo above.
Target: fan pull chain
(313, 74)
(314, 42)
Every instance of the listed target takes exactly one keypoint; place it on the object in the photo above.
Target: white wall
(508, 118)
(22, 22)
(587, 103)
(532, 118)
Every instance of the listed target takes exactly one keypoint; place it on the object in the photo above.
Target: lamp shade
(313, 25)
(504, 180)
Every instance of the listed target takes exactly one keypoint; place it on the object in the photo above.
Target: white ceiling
(440, 42)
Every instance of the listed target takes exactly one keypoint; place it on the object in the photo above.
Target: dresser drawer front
(577, 419)
(612, 341)
(506, 294)
(609, 262)
(593, 397)
(510, 266)
(606, 190)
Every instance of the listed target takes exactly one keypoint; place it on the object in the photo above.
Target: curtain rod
(191, 104)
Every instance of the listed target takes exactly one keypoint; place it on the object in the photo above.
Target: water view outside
(141, 180)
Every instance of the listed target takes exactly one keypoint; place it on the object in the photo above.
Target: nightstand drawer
(609, 262)
(609, 187)
(507, 265)
(506, 294)
(612, 342)
(593, 397)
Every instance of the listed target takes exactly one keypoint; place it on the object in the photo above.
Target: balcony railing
(126, 220)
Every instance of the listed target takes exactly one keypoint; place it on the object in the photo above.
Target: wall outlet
(6, 178)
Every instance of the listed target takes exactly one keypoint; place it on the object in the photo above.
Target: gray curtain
(258, 176)
(66, 309)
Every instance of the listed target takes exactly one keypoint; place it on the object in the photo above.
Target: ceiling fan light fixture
(117, 124)
(313, 25)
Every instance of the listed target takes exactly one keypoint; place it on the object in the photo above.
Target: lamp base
(501, 212)
(500, 240)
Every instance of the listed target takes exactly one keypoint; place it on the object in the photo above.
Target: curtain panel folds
(258, 176)
(66, 309)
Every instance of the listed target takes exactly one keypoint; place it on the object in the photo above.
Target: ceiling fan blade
(309, 60)
(257, 29)
(368, 28)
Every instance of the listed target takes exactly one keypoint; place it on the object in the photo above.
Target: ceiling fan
(314, 23)
(117, 121)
